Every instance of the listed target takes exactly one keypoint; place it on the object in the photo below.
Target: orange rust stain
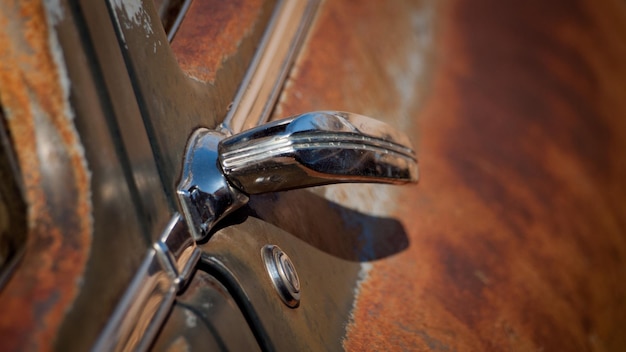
(45, 282)
(211, 33)
(516, 231)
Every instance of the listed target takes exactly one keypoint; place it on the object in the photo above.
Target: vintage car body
(513, 240)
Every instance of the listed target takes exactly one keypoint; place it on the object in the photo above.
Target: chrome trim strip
(144, 307)
(260, 87)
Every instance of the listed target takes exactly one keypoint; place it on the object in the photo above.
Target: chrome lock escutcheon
(312, 149)
(283, 274)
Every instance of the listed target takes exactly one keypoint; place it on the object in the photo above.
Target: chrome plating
(314, 149)
(204, 193)
(164, 272)
(282, 274)
(303, 151)
(178, 252)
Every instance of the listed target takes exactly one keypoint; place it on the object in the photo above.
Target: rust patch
(516, 229)
(212, 32)
(350, 63)
(55, 176)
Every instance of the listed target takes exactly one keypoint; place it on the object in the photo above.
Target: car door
(137, 100)
(513, 239)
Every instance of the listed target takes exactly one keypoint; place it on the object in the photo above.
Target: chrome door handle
(314, 149)
(307, 150)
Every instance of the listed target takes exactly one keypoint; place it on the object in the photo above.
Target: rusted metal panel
(56, 179)
(516, 232)
(515, 235)
(214, 31)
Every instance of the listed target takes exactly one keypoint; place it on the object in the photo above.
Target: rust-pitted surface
(55, 177)
(213, 30)
(517, 231)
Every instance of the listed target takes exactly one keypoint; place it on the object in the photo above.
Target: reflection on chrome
(308, 150)
(314, 149)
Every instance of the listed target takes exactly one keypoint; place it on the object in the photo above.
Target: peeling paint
(134, 13)
(130, 14)
(362, 276)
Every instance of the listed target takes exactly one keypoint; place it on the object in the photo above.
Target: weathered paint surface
(213, 31)
(34, 96)
(516, 231)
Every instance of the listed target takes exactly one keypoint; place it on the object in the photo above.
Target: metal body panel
(516, 231)
(205, 318)
(234, 256)
(513, 240)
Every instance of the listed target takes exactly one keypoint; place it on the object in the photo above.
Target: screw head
(282, 274)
